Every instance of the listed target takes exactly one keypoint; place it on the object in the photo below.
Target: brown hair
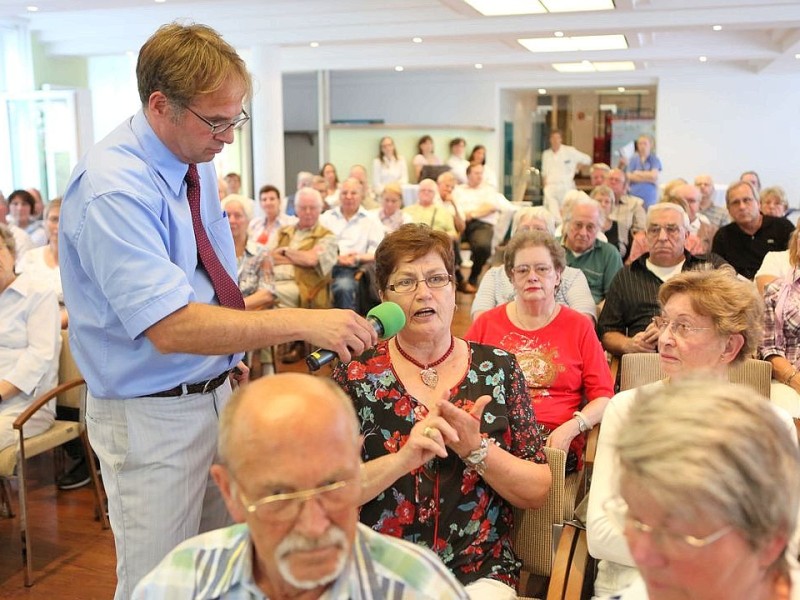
(411, 241)
(734, 305)
(187, 61)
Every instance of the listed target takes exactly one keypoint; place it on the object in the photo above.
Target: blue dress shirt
(129, 258)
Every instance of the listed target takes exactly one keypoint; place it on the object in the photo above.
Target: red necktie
(225, 288)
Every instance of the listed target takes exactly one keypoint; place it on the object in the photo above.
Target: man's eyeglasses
(286, 507)
(406, 286)
(578, 225)
(679, 329)
(671, 544)
(671, 230)
(220, 128)
(522, 271)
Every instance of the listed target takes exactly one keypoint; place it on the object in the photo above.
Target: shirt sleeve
(769, 343)
(328, 254)
(484, 297)
(579, 296)
(605, 541)
(403, 180)
(40, 356)
(612, 317)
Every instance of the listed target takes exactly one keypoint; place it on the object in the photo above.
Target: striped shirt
(219, 564)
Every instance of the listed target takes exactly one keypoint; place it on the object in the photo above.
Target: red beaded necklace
(427, 374)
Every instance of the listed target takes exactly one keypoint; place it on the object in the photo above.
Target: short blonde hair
(534, 239)
(714, 449)
(776, 191)
(733, 304)
(540, 213)
(245, 202)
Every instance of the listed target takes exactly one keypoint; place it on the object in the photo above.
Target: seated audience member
(556, 347)
(496, 288)
(21, 207)
(629, 210)
(3, 208)
(781, 342)
(480, 206)
(709, 320)
(598, 260)
(425, 156)
(368, 198)
(716, 530)
(745, 241)
(774, 202)
(626, 321)
(358, 234)
(41, 263)
(450, 438)
(446, 184)
(426, 211)
(38, 203)
(303, 256)
(297, 533)
(261, 228)
(753, 179)
(699, 224)
(318, 183)
(598, 173)
(716, 215)
(457, 160)
(30, 342)
(304, 180)
(233, 184)
(390, 213)
(610, 227)
(776, 265)
(331, 195)
(253, 280)
(478, 157)
(693, 244)
(388, 166)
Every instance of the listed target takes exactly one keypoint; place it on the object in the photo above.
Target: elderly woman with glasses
(556, 347)
(708, 495)
(495, 287)
(450, 439)
(709, 320)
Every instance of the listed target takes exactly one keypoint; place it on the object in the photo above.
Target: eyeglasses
(406, 286)
(671, 544)
(522, 271)
(679, 329)
(671, 230)
(286, 507)
(578, 225)
(220, 128)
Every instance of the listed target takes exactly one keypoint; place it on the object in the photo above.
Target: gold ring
(429, 432)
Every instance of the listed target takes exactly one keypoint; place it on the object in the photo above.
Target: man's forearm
(615, 342)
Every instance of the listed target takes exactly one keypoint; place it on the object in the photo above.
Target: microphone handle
(320, 357)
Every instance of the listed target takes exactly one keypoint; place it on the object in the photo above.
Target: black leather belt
(202, 387)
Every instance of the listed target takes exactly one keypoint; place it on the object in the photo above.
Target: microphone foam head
(391, 316)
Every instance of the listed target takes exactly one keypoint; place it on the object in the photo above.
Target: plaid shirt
(783, 341)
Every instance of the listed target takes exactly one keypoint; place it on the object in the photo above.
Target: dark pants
(479, 237)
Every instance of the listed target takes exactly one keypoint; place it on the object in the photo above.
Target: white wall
(727, 124)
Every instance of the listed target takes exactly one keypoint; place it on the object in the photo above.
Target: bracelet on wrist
(791, 376)
(583, 424)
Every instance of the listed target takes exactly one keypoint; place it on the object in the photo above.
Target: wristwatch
(476, 460)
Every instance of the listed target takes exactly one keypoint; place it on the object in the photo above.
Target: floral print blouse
(443, 505)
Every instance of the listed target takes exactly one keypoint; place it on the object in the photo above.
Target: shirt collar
(171, 169)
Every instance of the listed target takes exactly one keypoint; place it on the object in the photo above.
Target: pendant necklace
(428, 374)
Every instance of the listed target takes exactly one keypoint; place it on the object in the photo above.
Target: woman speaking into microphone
(450, 441)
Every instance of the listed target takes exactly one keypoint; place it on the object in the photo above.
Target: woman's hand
(466, 424)
(428, 439)
(561, 437)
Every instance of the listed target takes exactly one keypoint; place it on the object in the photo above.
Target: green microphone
(387, 319)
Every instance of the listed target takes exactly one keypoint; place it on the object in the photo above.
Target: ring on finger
(430, 432)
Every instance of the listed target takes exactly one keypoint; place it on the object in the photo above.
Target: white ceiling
(756, 36)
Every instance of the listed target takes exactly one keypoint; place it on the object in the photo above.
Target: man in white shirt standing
(559, 165)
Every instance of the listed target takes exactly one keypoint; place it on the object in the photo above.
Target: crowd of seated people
(454, 428)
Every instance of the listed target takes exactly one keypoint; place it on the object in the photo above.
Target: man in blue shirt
(146, 326)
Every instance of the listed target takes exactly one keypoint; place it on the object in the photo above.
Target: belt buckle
(208, 383)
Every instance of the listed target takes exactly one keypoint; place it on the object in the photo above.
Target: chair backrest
(533, 528)
(642, 368)
(67, 371)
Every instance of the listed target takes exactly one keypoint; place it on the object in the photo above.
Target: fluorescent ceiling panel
(492, 8)
(574, 67)
(622, 65)
(590, 67)
(585, 43)
(577, 5)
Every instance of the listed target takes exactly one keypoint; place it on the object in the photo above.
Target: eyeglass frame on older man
(220, 128)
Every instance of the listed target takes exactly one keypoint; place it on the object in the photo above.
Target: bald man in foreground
(290, 475)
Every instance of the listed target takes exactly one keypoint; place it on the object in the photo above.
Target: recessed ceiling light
(717, 28)
(587, 66)
(478, 66)
(583, 43)
(703, 59)
(558, 33)
(620, 89)
(398, 68)
(33, 8)
(577, 5)
(314, 44)
(542, 91)
(416, 40)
